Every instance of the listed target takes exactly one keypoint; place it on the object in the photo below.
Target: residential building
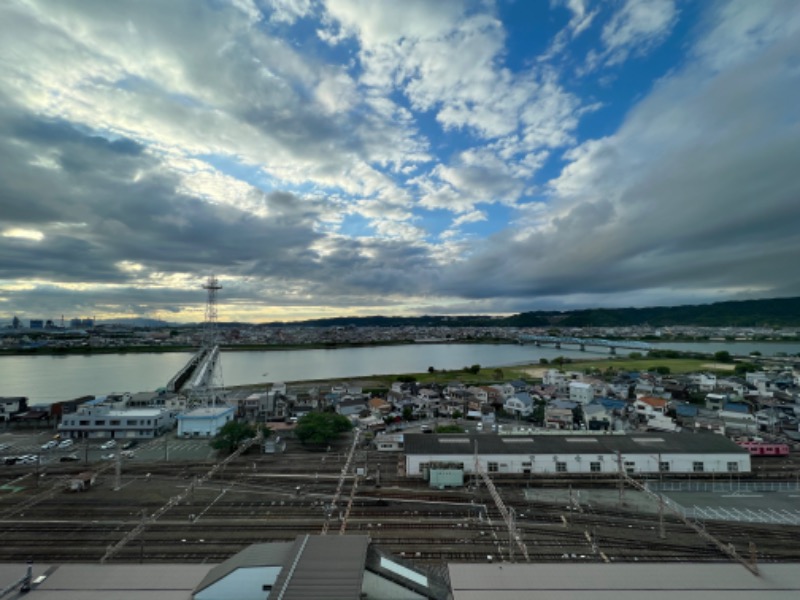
(581, 392)
(11, 406)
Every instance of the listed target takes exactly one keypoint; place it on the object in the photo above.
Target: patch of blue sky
(497, 219)
(254, 175)
(302, 34)
(435, 222)
(529, 28)
(356, 226)
(229, 165)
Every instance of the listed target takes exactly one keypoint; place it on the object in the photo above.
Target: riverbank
(161, 349)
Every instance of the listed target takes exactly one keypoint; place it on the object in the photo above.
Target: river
(48, 378)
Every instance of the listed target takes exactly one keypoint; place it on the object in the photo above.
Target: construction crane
(514, 536)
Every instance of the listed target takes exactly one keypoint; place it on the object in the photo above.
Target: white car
(65, 443)
(50, 444)
(108, 456)
(108, 445)
(27, 459)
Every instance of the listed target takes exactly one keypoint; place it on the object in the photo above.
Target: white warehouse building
(205, 421)
(639, 453)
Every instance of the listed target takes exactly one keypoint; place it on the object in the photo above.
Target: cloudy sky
(360, 157)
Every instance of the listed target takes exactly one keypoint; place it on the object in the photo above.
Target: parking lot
(42, 448)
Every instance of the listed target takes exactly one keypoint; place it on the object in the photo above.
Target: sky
(361, 157)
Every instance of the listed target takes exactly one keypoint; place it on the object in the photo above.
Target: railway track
(257, 499)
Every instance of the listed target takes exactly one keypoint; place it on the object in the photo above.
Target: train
(765, 448)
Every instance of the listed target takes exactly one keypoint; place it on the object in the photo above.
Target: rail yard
(174, 511)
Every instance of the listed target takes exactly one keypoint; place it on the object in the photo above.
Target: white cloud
(693, 193)
(289, 11)
(475, 216)
(635, 29)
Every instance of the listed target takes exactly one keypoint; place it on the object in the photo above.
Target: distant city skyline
(330, 158)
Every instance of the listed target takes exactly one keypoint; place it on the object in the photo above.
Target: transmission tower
(210, 347)
(210, 322)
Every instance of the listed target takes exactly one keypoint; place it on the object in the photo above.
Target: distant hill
(135, 322)
(777, 312)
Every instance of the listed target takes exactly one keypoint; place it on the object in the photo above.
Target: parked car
(68, 443)
(128, 454)
(10, 460)
(49, 445)
(108, 445)
(27, 459)
(130, 444)
(4, 447)
(69, 458)
(108, 456)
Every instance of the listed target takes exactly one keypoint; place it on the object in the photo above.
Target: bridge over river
(582, 343)
(198, 373)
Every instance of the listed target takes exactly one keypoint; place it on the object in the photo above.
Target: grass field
(532, 371)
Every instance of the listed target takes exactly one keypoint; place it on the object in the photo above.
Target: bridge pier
(613, 350)
(583, 347)
(558, 345)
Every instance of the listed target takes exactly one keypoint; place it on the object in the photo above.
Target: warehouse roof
(324, 567)
(636, 443)
(632, 581)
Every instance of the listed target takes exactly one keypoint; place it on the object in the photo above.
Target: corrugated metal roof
(640, 443)
(654, 581)
(257, 555)
(323, 568)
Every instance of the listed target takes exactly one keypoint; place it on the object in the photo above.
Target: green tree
(746, 367)
(539, 413)
(723, 356)
(498, 374)
(635, 355)
(232, 434)
(408, 413)
(318, 428)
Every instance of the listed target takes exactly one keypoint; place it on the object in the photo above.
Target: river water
(47, 378)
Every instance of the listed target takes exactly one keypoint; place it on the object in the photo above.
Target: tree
(321, 428)
(723, 356)
(431, 370)
(745, 367)
(408, 413)
(498, 374)
(232, 434)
